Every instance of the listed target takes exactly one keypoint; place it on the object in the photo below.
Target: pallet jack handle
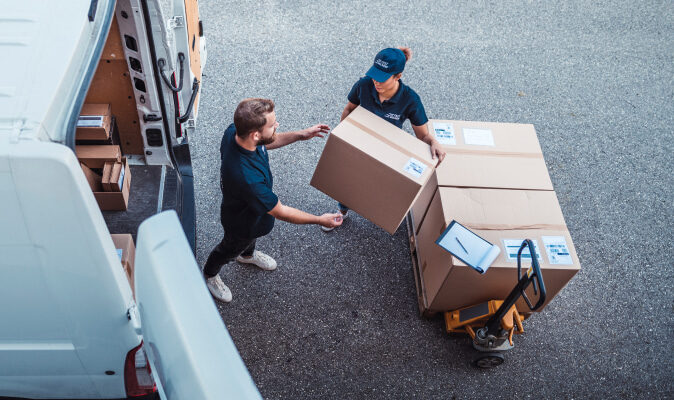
(533, 275)
(533, 272)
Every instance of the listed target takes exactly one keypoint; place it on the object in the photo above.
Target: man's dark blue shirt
(246, 183)
(405, 104)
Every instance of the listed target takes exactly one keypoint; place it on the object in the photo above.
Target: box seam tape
(389, 142)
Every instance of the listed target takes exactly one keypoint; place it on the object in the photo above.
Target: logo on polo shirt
(381, 63)
(392, 116)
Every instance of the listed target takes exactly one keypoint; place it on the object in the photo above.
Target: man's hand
(318, 130)
(437, 151)
(330, 220)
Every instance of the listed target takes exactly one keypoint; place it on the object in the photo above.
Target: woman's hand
(437, 151)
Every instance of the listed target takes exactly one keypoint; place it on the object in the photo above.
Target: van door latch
(151, 117)
(176, 22)
(134, 318)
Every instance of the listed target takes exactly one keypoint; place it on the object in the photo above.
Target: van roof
(45, 46)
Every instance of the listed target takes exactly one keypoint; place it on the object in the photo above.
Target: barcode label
(557, 249)
(512, 246)
(414, 167)
(444, 133)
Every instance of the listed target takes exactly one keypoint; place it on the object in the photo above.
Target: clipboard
(468, 247)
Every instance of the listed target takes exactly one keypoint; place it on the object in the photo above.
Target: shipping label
(414, 167)
(557, 249)
(90, 121)
(444, 133)
(512, 246)
(478, 137)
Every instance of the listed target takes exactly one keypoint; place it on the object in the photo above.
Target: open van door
(191, 354)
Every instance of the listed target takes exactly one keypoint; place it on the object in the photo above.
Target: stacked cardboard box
(108, 174)
(494, 181)
(486, 155)
(374, 168)
(504, 218)
(95, 122)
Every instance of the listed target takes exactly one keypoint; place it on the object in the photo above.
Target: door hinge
(176, 22)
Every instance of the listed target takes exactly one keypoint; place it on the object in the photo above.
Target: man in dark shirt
(249, 205)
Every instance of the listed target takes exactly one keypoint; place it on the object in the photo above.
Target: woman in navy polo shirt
(382, 92)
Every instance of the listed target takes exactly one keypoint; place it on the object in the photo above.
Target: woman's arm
(423, 135)
(347, 110)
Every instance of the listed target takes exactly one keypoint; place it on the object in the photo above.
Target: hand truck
(492, 324)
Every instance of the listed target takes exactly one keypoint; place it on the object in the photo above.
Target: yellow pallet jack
(492, 324)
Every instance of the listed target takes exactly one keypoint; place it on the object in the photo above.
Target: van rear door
(191, 352)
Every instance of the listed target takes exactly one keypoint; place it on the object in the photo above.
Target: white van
(70, 326)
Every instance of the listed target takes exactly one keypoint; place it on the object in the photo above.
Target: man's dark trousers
(227, 250)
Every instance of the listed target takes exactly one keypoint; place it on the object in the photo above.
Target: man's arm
(295, 216)
(348, 109)
(423, 135)
(286, 138)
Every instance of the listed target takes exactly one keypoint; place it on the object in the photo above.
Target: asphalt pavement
(338, 319)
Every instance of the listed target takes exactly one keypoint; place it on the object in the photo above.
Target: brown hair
(251, 115)
(407, 51)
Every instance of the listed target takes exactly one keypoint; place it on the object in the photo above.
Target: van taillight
(137, 373)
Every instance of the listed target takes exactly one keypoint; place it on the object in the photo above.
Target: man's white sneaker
(260, 259)
(344, 216)
(218, 289)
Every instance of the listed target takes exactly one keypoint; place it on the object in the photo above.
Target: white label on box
(119, 253)
(414, 167)
(444, 133)
(558, 251)
(121, 178)
(90, 121)
(512, 246)
(478, 137)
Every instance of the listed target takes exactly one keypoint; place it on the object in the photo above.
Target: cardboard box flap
(93, 178)
(384, 131)
(506, 137)
(501, 209)
(494, 171)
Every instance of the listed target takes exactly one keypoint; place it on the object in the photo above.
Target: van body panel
(38, 34)
(62, 276)
(185, 338)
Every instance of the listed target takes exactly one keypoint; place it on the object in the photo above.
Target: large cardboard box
(126, 251)
(504, 218)
(95, 156)
(374, 168)
(116, 201)
(94, 122)
(484, 155)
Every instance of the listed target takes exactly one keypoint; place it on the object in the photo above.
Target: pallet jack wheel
(488, 360)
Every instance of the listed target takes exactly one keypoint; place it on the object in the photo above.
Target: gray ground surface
(338, 319)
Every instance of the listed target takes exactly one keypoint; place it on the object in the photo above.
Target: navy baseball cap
(387, 62)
